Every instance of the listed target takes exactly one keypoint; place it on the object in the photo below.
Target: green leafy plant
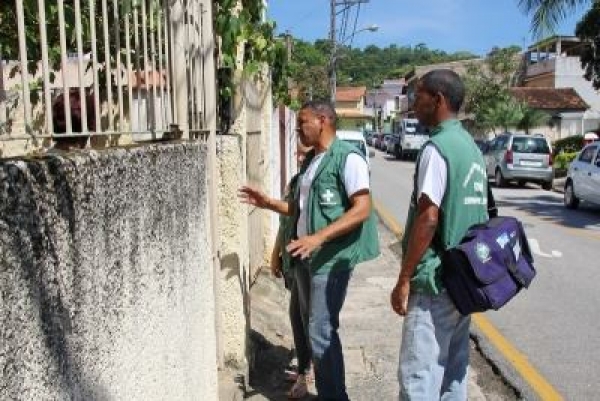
(588, 30)
(532, 118)
(568, 145)
(245, 26)
(487, 89)
(561, 163)
(505, 114)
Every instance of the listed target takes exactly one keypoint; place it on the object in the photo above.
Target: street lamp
(333, 58)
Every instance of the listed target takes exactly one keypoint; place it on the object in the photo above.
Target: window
(587, 154)
(359, 144)
(502, 143)
(530, 145)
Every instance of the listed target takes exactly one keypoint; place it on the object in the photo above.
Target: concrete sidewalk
(558, 185)
(370, 334)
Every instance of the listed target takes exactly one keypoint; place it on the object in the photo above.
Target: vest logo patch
(327, 198)
(482, 251)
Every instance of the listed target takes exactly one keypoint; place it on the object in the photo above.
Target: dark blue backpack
(489, 266)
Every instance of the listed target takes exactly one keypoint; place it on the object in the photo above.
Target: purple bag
(489, 267)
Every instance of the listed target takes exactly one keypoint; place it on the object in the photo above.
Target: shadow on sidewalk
(267, 369)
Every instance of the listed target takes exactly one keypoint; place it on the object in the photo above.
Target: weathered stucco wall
(235, 276)
(106, 278)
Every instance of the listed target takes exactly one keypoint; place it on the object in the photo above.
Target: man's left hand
(303, 247)
(399, 296)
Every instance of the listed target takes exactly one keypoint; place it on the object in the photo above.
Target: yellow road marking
(518, 360)
(388, 219)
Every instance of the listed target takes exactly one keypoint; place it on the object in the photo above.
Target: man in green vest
(449, 196)
(335, 229)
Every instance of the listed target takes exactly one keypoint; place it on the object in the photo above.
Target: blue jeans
(323, 298)
(434, 355)
(299, 315)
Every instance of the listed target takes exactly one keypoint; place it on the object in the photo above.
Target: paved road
(556, 322)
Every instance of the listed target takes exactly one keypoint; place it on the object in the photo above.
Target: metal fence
(85, 68)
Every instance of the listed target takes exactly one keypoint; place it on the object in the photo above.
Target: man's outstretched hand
(254, 197)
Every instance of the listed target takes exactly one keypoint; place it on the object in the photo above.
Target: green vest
(327, 201)
(464, 203)
(287, 229)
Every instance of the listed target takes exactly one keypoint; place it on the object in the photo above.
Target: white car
(357, 139)
(583, 177)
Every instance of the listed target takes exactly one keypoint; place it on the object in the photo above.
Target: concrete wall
(569, 74)
(235, 274)
(106, 276)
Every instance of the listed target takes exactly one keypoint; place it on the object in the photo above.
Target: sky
(449, 25)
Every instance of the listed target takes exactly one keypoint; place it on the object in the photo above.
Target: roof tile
(550, 98)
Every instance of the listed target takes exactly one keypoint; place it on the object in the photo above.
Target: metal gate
(122, 70)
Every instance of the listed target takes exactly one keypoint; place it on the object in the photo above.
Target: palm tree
(532, 118)
(547, 14)
(503, 114)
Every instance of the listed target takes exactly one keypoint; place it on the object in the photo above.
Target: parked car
(482, 144)
(369, 137)
(583, 177)
(357, 139)
(384, 143)
(520, 157)
(394, 145)
(413, 136)
(377, 138)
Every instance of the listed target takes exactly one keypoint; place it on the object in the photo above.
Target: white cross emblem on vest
(328, 196)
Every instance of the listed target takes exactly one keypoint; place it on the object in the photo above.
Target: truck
(413, 136)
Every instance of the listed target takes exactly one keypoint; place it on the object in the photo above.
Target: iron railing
(104, 67)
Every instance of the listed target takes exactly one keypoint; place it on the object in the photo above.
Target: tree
(246, 27)
(588, 30)
(487, 85)
(547, 14)
(368, 66)
(532, 118)
(504, 114)
(309, 69)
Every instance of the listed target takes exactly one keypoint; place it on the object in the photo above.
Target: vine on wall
(248, 27)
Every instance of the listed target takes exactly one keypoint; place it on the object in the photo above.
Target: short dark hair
(448, 83)
(322, 107)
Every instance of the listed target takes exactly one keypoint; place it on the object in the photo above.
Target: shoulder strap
(491, 203)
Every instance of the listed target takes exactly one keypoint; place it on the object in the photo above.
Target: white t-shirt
(356, 178)
(432, 177)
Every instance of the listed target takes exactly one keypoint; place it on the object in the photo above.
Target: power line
(343, 8)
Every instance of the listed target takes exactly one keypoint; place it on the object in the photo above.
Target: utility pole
(345, 6)
(332, 38)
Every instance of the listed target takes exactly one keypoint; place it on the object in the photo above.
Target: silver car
(583, 177)
(520, 157)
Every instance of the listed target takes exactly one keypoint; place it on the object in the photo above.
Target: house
(384, 103)
(566, 108)
(350, 108)
(554, 63)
